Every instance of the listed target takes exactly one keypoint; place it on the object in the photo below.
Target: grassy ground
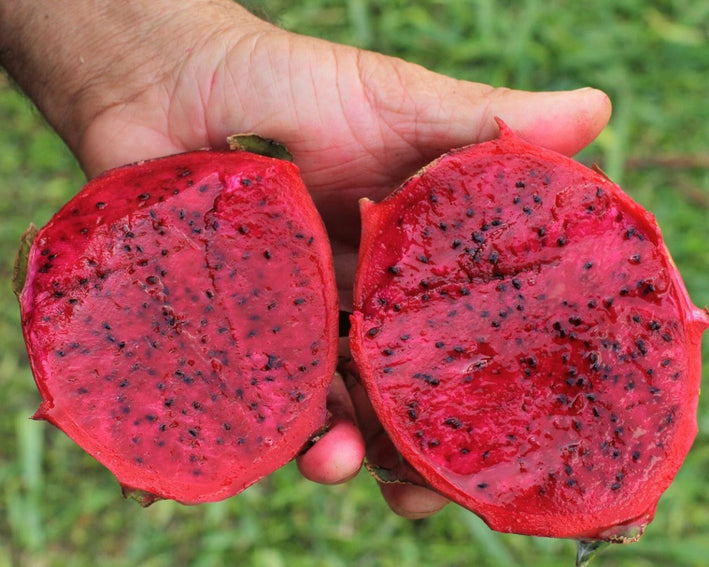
(58, 507)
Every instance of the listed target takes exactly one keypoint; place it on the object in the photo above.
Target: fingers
(337, 456)
(411, 501)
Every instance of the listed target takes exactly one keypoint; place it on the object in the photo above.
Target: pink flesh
(530, 350)
(180, 317)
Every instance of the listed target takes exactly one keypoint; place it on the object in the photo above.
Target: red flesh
(180, 317)
(485, 337)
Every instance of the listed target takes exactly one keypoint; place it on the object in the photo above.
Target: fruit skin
(180, 317)
(527, 342)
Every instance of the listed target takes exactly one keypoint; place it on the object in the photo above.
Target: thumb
(433, 112)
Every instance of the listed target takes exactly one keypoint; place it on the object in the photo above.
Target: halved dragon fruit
(527, 342)
(180, 316)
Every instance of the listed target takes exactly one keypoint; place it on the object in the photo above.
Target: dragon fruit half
(180, 316)
(527, 342)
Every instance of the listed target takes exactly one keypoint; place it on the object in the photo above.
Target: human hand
(356, 122)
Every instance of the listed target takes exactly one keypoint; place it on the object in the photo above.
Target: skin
(131, 80)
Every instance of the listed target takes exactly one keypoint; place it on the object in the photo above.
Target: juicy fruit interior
(180, 318)
(524, 339)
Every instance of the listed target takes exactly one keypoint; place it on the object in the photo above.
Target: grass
(58, 507)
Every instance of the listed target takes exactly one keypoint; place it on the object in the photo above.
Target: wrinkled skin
(356, 122)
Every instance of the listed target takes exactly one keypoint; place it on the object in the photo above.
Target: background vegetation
(58, 507)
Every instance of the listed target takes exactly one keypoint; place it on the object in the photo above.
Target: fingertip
(412, 501)
(564, 121)
(335, 458)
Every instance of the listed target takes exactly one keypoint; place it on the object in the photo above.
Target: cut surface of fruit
(180, 316)
(527, 342)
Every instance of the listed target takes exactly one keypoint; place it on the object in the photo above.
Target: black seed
(100, 205)
(456, 243)
(494, 257)
(541, 231)
(482, 485)
(423, 259)
(641, 346)
(453, 422)
(144, 196)
(635, 258)
(298, 301)
(394, 270)
(527, 210)
(647, 287)
(267, 254)
(431, 380)
(615, 486)
(653, 325)
(588, 265)
(561, 241)
(478, 237)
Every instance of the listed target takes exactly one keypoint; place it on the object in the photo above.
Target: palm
(356, 122)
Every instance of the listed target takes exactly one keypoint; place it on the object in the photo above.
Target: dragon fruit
(527, 342)
(180, 316)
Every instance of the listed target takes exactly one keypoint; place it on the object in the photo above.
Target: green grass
(58, 507)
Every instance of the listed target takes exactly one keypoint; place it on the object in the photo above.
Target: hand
(357, 123)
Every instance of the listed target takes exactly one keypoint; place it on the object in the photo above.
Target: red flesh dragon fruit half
(527, 342)
(180, 316)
